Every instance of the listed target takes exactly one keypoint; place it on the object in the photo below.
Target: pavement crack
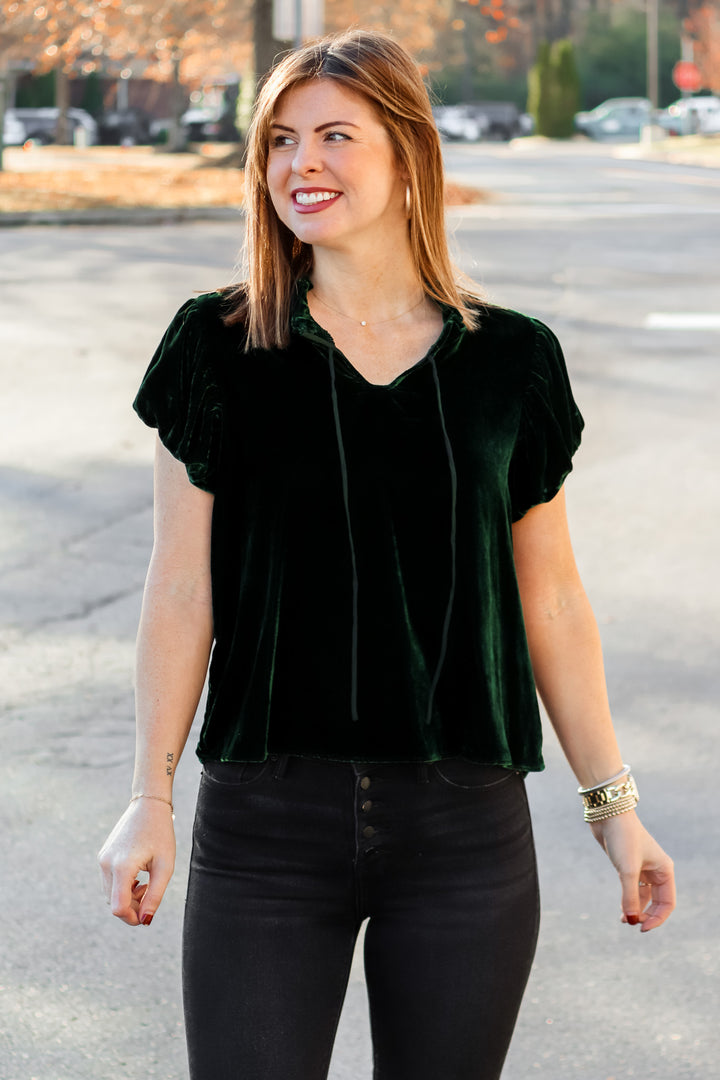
(64, 545)
(85, 610)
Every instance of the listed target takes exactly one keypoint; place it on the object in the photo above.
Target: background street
(609, 251)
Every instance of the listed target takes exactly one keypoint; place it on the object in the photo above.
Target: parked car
(692, 116)
(503, 118)
(40, 124)
(616, 118)
(481, 120)
(206, 123)
(460, 122)
(13, 130)
(125, 127)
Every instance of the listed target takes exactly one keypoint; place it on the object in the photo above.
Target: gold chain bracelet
(158, 798)
(600, 803)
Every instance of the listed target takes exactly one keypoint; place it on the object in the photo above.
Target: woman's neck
(383, 287)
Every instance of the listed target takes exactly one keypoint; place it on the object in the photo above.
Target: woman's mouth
(310, 201)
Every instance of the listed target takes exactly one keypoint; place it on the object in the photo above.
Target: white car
(40, 124)
(693, 116)
(13, 130)
(615, 119)
(460, 122)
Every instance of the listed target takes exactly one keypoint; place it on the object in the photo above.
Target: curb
(669, 156)
(122, 216)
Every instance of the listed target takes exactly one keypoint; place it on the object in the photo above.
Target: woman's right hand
(142, 840)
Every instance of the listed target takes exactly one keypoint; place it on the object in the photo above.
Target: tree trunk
(3, 99)
(63, 132)
(265, 46)
(177, 135)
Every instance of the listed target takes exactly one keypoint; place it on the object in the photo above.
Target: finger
(644, 897)
(123, 903)
(631, 906)
(661, 906)
(138, 891)
(160, 874)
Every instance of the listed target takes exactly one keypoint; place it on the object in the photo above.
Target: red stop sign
(686, 75)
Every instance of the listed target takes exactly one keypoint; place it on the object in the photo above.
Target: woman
(359, 501)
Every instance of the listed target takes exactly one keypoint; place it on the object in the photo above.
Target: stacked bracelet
(610, 798)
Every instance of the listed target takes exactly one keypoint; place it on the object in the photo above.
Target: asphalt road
(602, 249)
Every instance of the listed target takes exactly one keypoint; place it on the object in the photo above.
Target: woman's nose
(306, 158)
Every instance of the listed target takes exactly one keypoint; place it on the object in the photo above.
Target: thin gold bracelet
(158, 798)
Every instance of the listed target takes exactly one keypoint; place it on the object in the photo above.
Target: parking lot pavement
(83, 997)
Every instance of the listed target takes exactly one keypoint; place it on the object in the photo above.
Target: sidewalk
(679, 150)
(108, 185)
(682, 150)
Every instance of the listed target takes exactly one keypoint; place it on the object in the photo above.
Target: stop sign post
(686, 76)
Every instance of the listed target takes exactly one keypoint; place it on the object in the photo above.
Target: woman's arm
(567, 661)
(173, 647)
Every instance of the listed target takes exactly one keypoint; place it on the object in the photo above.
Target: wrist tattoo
(169, 759)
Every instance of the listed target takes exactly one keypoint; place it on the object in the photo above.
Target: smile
(312, 198)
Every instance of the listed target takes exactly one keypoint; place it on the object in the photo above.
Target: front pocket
(235, 773)
(471, 775)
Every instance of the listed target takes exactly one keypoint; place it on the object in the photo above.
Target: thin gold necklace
(363, 322)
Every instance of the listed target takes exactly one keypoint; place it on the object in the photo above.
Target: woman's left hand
(646, 872)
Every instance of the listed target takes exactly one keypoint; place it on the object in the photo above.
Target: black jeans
(291, 855)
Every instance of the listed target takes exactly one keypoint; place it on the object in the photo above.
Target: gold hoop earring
(408, 202)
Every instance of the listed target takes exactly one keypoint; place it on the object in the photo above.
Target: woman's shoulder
(203, 331)
(514, 336)
(507, 323)
(208, 311)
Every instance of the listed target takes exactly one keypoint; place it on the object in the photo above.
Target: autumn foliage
(703, 27)
(152, 36)
(202, 37)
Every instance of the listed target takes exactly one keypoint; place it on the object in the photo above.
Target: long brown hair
(372, 64)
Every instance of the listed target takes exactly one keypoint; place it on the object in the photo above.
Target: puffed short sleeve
(180, 396)
(549, 431)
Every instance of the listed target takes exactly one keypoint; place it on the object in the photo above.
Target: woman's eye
(336, 136)
(280, 140)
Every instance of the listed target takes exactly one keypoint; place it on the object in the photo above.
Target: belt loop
(423, 777)
(280, 768)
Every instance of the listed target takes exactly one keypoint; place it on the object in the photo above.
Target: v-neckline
(394, 383)
(305, 323)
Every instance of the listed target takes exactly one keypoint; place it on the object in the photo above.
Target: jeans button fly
(367, 805)
(368, 831)
(365, 783)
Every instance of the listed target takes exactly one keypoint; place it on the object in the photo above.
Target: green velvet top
(364, 593)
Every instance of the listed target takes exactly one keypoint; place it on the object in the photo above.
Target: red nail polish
(147, 919)
(633, 920)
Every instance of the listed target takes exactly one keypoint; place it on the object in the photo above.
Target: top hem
(521, 766)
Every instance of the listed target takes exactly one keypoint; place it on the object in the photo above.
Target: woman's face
(332, 174)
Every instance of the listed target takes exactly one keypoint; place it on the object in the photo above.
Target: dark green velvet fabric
(364, 593)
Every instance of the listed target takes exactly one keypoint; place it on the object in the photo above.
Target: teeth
(310, 198)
